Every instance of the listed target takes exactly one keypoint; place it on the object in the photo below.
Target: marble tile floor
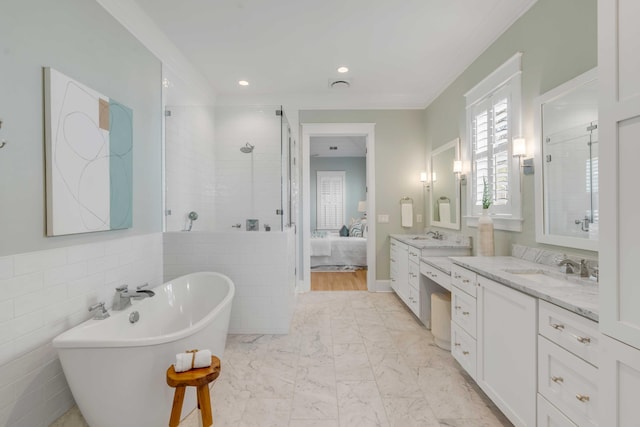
(351, 359)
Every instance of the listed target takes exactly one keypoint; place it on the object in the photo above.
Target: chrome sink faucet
(571, 266)
(122, 298)
(436, 235)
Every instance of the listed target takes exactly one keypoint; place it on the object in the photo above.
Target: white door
(619, 116)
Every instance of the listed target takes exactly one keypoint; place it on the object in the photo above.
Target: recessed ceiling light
(343, 70)
(243, 83)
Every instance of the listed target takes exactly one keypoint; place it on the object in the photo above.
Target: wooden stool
(199, 378)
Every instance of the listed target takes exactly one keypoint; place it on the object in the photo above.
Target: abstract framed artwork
(89, 158)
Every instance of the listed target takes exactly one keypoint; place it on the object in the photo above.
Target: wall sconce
(457, 169)
(424, 180)
(434, 178)
(519, 150)
(362, 207)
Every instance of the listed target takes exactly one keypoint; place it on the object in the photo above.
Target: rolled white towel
(192, 359)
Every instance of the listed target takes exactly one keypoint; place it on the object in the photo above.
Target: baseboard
(382, 286)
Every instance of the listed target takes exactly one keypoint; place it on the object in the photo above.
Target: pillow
(356, 229)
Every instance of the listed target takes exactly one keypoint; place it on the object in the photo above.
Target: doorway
(338, 193)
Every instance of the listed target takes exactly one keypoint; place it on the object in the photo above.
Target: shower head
(193, 215)
(248, 148)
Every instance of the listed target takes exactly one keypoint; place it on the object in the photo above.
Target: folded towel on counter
(407, 215)
(192, 359)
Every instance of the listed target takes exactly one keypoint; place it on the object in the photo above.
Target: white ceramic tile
(39, 261)
(360, 404)
(352, 363)
(85, 252)
(24, 324)
(6, 310)
(6, 267)
(6, 332)
(66, 273)
(21, 285)
(101, 264)
(410, 412)
(38, 300)
(262, 412)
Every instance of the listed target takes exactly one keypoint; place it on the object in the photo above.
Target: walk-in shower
(207, 173)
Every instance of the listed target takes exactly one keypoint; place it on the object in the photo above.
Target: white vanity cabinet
(405, 274)
(399, 258)
(568, 354)
(463, 318)
(619, 122)
(506, 336)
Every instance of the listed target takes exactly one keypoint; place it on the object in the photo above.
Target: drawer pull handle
(557, 326)
(458, 307)
(557, 379)
(582, 397)
(393, 260)
(457, 344)
(465, 313)
(584, 340)
(466, 353)
(465, 280)
(456, 276)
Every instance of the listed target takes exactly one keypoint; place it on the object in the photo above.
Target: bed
(338, 251)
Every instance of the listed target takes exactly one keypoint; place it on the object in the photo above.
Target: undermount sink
(420, 238)
(539, 276)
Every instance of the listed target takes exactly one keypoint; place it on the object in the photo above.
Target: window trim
(506, 78)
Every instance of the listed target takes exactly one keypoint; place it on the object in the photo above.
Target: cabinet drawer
(575, 333)
(414, 274)
(464, 279)
(463, 311)
(414, 254)
(568, 382)
(413, 301)
(436, 275)
(550, 416)
(463, 349)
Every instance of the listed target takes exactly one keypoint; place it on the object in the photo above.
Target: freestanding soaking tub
(116, 369)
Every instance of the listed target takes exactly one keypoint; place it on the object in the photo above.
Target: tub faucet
(122, 298)
(99, 311)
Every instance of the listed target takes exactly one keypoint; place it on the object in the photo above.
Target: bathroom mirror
(567, 164)
(445, 189)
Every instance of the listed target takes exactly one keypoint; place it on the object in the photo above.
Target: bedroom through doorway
(338, 208)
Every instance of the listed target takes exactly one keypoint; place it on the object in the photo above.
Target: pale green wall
(399, 157)
(80, 39)
(558, 41)
(355, 169)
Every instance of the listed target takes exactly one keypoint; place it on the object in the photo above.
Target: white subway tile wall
(44, 293)
(189, 162)
(260, 264)
(247, 185)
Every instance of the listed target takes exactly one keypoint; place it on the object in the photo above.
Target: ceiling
(401, 54)
(345, 146)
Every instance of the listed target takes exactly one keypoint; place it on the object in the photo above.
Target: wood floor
(339, 281)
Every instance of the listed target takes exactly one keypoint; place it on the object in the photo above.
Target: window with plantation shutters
(493, 120)
(330, 193)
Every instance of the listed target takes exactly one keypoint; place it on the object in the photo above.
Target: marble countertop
(442, 263)
(420, 241)
(571, 292)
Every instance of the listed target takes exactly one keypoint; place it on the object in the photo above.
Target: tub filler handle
(100, 312)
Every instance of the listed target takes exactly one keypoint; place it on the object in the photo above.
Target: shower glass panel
(228, 164)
